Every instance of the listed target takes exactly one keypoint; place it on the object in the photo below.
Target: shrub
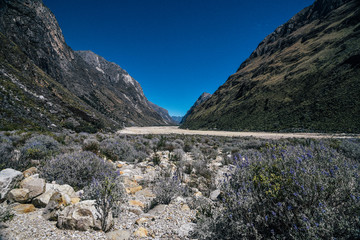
(166, 188)
(351, 148)
(91, 145)
(177, 155)
(288, 192)
(36, 148)
(6, 153)
(77, 169)
(118, 150)
(108, 194)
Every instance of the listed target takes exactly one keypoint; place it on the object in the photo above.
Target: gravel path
(265, 135)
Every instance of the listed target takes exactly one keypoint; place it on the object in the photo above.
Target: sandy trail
(265, 135)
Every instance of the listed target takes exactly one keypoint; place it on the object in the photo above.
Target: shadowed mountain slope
(106, 96)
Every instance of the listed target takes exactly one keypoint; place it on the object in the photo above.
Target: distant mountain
(203, 97)
(177, 119)
(45, 83)
(163, 113)
(305, 76)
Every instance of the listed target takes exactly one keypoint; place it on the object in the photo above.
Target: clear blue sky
(176, 49)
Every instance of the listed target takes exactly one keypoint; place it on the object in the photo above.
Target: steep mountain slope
(203, 97)
(163, 113)
(177, 119)
(303, 76)
(108, 92)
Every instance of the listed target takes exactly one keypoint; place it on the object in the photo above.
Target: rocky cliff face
(304, 76)
(163, 113)
(203, 97)
(107, 92)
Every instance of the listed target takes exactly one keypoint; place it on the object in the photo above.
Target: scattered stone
(133, 190)
(35, 185)
(20, 195)
(29, 172)
(185, 207)
(141, 220)
(214, 194)
(8, 179)
(118, 235)
(186, 229)
(157, 210)
(75, 200)
(141, 232)
(24, 208)
(136, 203)
(82, 216)
(119, 165)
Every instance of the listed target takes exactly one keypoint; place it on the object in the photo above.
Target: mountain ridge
(114, 100)
(302, 79)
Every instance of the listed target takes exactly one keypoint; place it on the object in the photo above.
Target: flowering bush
(77, 169)
(108, 194)
(288, 192)
(36, 148)
(118, 150)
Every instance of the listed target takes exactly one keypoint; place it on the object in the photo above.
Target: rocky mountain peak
(31, 25)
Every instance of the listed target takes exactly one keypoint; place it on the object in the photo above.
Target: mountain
(203, 97)
(177, 119)
(163, 113)
(302, 77)
(36, 61)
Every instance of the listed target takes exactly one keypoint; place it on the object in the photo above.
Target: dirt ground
(265, 135)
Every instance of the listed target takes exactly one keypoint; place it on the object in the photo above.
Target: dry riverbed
(264, 135)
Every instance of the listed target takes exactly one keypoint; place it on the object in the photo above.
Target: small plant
(108, 194)
(6, 154)
(91, 145)
(77, 169)
(156, 159)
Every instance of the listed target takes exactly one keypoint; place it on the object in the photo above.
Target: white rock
(8, 179)
(214, 194)
(43, 199)
(35, 185)
(20, 195)
(82, 216)
(185, 229)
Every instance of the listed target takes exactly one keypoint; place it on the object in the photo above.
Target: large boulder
(35, 185)
(8, 179)
(42, 200)
(82, 216)
(57, 202)
(20, 195)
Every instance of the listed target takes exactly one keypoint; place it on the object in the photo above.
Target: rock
(20, 195)
(55, 204)
(147, 193)
(133, 190)
(75, 200)
(185, 208)
(24, 208)
(186, 229)
(141, 232)
(135, 210)
(43, 199)
(8, 179)
(214, 194)
(119, 165)
(35, 185)
(157, 210)
(136, 203)
(141, 220)
(118, 235)
(29, 172)
(82, 216)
